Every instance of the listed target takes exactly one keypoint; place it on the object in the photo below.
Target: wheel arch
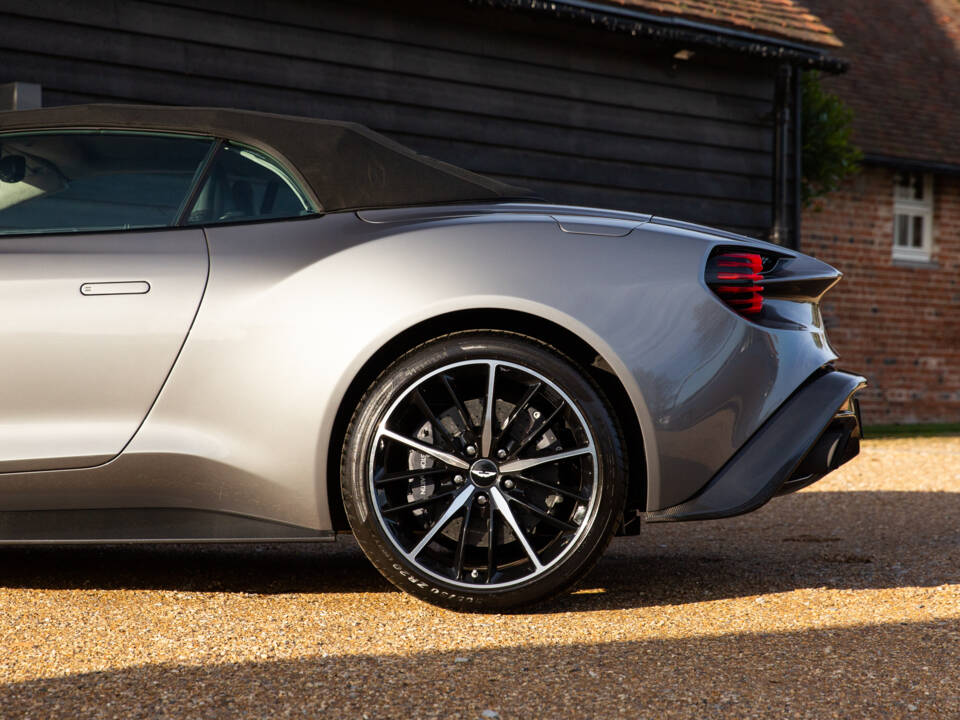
(514, 321)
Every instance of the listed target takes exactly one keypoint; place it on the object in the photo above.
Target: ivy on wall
(829, 155)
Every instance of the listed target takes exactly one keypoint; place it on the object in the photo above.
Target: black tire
(566, 510)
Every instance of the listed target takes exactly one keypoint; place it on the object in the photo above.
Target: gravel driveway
(840, 601)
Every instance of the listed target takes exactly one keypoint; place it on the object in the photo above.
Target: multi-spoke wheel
(483, 470)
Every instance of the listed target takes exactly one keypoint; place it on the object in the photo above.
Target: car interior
(85, 181)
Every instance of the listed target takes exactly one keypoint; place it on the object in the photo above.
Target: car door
(98, 287)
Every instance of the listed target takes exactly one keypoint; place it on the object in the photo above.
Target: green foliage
(829, 156)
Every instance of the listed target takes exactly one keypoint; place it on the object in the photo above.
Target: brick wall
(896, 323)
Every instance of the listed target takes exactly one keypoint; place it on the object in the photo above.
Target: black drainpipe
(780, 233)
(797, 155)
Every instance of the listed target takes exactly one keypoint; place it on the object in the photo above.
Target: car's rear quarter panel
(294, 309)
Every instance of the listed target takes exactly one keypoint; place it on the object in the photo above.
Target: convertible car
(228, 326)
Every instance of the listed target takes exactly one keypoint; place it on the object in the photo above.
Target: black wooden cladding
(580, 115)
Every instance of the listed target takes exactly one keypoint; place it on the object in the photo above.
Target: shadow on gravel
(878, 671)
(259, 569)
(839, 540)
(812, 539)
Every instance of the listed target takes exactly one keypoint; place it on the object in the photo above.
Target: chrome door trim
(123, 287)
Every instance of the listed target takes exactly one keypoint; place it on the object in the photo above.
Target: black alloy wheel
(483, 471)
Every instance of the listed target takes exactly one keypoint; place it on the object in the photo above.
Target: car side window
(75, 181)
(243, 184)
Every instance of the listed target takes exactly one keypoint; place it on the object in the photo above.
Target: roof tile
(779, 18)
(904, 79)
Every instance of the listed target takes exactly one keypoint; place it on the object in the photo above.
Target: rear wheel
(483, 471)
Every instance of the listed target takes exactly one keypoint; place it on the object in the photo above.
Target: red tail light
(735, 278)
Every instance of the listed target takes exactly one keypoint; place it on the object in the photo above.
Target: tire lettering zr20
(430, 588)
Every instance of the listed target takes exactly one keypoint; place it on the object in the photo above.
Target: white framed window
(912, 216)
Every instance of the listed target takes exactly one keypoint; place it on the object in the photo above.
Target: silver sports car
(233, 326)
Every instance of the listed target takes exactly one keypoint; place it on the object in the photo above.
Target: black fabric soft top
(346, 166)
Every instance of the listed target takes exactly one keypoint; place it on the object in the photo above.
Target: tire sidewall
(408, 370)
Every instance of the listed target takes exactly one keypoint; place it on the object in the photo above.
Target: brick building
(895, 228)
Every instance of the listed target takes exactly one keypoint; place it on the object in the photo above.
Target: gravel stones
(842, 601)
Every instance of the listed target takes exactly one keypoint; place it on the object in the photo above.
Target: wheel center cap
(484, 472)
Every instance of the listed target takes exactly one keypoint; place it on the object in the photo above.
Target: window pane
(75, 181)
(243, 185)
(909, 186)
(917, 236)
(901, 230)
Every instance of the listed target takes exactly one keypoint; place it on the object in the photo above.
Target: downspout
(797, 156)
(779, 232)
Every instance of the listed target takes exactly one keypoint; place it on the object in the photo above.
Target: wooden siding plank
(639, 178)
(581, 122)
(553, 94)
(715, 213)
(588, 144)
(405, 124)
(450, 97)
(488, 159)
(507, 35)
(124, 82)
(181, 24)
(396, 53)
